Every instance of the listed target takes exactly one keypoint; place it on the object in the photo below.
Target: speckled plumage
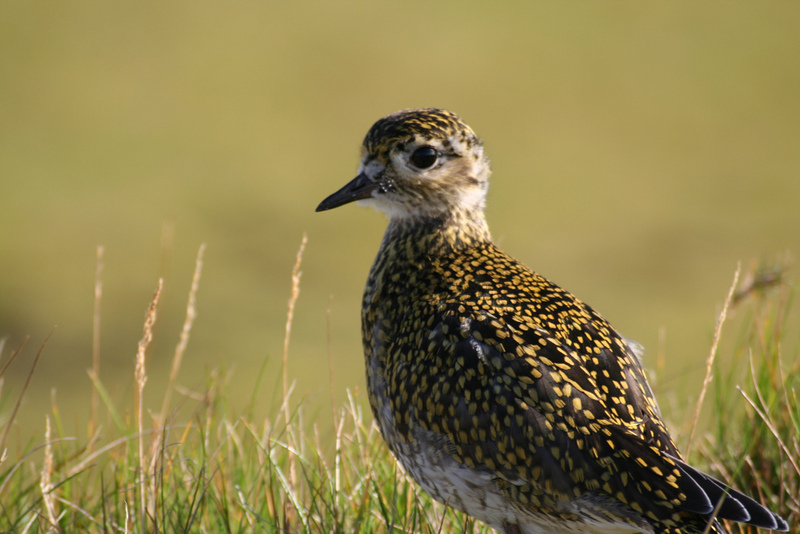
(499, 392)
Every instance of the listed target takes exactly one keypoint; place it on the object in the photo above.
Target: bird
(501, 394)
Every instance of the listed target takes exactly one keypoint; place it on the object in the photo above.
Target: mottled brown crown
(424, 122)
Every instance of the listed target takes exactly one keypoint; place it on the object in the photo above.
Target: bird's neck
(436, 236)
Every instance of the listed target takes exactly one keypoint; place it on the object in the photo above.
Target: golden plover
(501, 394)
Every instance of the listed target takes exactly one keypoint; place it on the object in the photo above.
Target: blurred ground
(639, 150)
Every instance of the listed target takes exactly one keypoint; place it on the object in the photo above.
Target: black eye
(424, 157)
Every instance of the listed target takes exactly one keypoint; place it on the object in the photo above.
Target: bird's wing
(555, 424)
(535, 414)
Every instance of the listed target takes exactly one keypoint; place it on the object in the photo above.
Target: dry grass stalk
(45, 483)
(6, 364)
(296, 274)
(191, 313)
(98, 295)
(24, 388)
(711, 356)
(762, 413)
(141, 378)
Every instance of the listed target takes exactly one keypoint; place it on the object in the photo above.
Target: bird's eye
(424, 157)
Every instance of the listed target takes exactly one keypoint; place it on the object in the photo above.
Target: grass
(755, 440)
(198, 466)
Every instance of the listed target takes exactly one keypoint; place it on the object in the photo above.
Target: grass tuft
(205, 468)
(754, 440)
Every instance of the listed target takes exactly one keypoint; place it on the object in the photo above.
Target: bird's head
(419, 164)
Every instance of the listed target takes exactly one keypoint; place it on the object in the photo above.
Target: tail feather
(735, 506)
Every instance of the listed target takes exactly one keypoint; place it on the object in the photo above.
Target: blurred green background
(639, 151)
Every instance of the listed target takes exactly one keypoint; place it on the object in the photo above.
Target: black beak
(359, 187)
